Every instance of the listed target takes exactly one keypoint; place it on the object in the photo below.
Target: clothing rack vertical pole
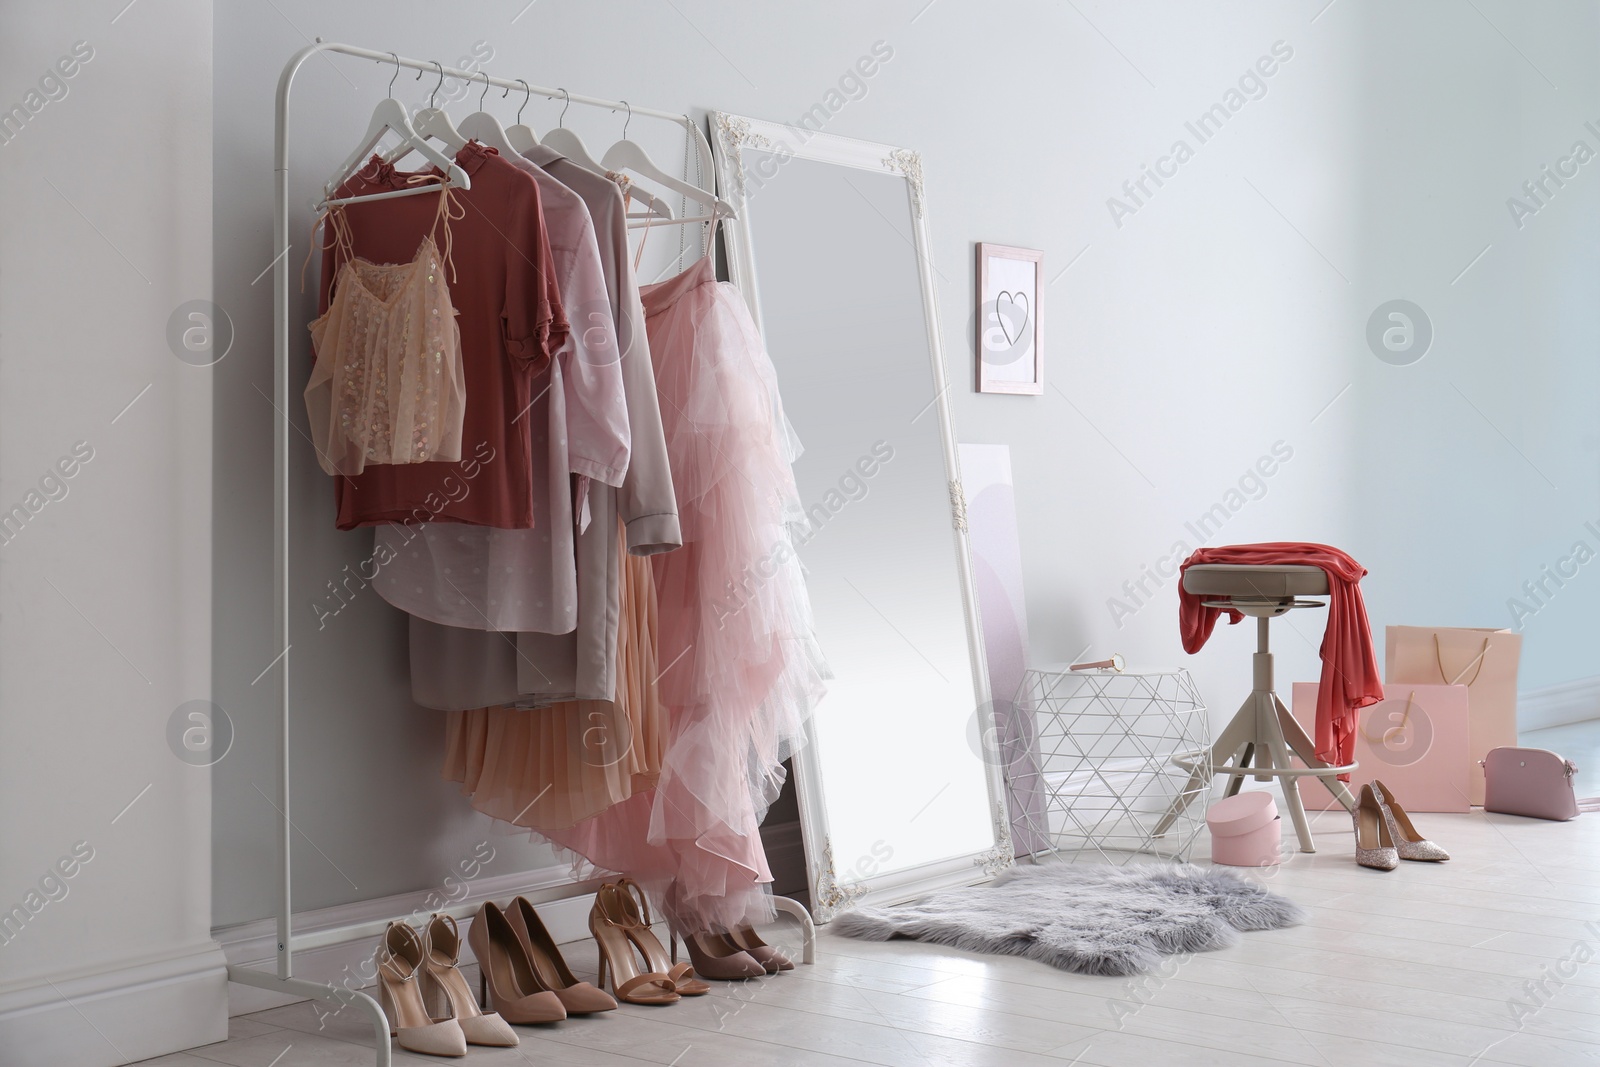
(282, 979)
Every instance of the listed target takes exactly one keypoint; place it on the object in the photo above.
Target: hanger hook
(396, 74)
(628, 121)
(434, 96)
(562, 121)
(527, 94)
(485, 88)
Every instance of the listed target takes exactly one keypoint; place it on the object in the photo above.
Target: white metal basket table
(1092, 771)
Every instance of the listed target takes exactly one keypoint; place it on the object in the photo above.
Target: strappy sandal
(398, 960)
(617, 956)
(632, 912)
(445, 989)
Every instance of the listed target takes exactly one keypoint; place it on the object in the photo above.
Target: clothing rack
(282, 979)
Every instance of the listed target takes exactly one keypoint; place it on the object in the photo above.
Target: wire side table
(1092, 770)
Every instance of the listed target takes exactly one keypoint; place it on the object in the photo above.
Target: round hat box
(1245, 830)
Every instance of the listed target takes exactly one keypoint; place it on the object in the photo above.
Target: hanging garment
(1350, 679)
(453, 668)
(550, 768)
(387, 385)
(580, 665)
(511, 322)
(484, 579)
(736, 685)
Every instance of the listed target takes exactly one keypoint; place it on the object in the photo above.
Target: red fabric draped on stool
(1350, 678)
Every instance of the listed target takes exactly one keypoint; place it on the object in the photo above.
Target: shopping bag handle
(1438, 657)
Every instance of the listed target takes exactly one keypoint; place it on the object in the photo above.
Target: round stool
(1263, 739)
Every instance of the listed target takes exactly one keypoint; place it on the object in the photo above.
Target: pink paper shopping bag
(1484, 660)
(1416, 740)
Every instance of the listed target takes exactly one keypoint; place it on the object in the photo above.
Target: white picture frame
(1009, 342)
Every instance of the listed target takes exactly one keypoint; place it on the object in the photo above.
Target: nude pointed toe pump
(398, 960)
(446, 992)
(608, 923)
(770, 958)
(1407, 842)
(579, 998)
(507, 977)
(1374, 847)
(719, 956)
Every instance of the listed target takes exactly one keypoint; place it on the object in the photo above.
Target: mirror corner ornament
(734, 133)
(908, 162)
(1002, 856)
(830, 896)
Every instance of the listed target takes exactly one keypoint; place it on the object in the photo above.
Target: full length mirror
(830, 251)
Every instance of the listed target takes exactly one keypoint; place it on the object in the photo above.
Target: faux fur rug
(1086, 919)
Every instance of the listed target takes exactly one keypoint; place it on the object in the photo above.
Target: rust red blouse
(511, 320)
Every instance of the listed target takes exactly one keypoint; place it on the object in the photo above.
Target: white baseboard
(1558, 705)
(133, 1012)
(254, 944)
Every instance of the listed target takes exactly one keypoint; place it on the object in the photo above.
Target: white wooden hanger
(627, 155)
(570, 145)
(390, 116)
(484, 127)
(521, 136)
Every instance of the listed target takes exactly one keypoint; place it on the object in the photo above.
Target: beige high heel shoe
(719, 956)
(1374, 846)
(579, 998)
(627, 905)
(1407, 842)
(770, 958)
(606, 923)
(507, 977)
(446, 992)
(398, 959)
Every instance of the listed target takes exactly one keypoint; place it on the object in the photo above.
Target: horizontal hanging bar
(477, 77)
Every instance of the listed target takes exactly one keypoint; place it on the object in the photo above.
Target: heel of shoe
(386, 1002)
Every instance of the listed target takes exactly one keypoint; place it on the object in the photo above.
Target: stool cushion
(1255, 581)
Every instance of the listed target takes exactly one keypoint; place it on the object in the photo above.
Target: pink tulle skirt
(739, 665)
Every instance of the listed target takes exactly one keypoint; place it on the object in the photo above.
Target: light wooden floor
(1492, 958)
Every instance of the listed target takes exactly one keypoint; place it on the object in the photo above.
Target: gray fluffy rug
(1086, 919)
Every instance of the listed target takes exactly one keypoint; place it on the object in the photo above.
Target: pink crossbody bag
(1533, 782)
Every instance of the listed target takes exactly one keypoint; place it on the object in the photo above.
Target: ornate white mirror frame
(749, 154)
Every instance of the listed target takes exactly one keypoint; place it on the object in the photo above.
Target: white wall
(1220, 318)
(105, 591)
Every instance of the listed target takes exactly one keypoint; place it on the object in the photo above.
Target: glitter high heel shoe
(1374, 847)
(1407, 842)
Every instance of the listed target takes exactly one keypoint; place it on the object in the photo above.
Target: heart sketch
(1018, 299)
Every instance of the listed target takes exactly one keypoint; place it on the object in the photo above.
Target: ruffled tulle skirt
(740, 666)
(722, 666)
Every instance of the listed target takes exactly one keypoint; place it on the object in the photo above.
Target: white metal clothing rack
(282, 979)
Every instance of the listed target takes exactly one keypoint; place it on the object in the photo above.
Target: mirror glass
(896, 782)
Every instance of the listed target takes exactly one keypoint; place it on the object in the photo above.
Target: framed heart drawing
(1009, 337)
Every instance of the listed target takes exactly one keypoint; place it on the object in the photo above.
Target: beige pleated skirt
(552, 767)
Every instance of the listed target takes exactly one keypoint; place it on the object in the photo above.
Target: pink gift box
(1245, 830)
(1416, 741)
